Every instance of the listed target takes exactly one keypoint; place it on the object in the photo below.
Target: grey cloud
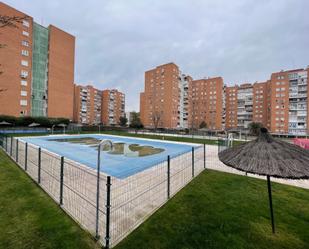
(117, 41)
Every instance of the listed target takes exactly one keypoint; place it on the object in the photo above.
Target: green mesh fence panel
(39, 70)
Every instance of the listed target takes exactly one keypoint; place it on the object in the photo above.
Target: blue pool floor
(119, 166)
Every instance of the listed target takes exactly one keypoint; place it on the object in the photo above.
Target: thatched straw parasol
(267, 156)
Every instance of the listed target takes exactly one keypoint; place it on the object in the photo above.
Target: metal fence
(118, 206)
(224, 143)
(71, 185)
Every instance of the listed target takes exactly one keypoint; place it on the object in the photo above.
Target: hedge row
(25, 121)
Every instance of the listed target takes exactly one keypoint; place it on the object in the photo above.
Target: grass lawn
(30, 219)
(221, 210)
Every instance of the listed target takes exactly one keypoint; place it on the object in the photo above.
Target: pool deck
(213, 162)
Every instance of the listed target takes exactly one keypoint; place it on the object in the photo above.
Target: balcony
(298, 95)
(301, 114)
(302, 83)
(302, 89)
(241, 113)
(298, 131)
(292, 118)
(301, 119)
(293, 107)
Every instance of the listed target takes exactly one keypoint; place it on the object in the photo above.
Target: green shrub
(27, 120)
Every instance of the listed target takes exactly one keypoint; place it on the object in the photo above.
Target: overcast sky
(118, 40)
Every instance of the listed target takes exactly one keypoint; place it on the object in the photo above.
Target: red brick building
(159, 102)
(174, 100)
(113, 107)
(38, 68)
(87, 105)
(206, 104)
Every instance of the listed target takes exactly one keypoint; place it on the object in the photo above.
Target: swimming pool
(129, 161)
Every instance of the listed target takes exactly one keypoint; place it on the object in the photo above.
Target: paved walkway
(213, 162)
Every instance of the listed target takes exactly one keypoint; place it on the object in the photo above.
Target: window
(24, 63)
(26, 23)
(25, 43)
(24, 74)
(23, 102)
(25, 33)
(23, 83)
(25, 52)
(23, 93)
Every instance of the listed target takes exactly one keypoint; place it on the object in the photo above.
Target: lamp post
(103, 142)
(53, 129)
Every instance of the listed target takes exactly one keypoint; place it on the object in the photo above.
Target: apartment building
(298, 102)
(260, 103)
(280, 104)
(289, 102)
(38, 68)
(87, 105)
(223, 107)
(184, 107)
(160, 101)
(246, 103)
(244, 106)
(113, 107)
(207, 103)
(231, 107)
(174, 100)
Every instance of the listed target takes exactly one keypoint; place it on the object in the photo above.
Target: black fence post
(11, 147)
(6, 143)
(168, 176)
(16, 150)
(204, 156)
(26, 156)
(61, 180)
(39, 165)
(108, 207)
(192, 162)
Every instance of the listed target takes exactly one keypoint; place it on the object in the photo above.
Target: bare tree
(10, 21)
(156, 119)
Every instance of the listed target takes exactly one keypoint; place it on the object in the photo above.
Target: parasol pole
(270, 204)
